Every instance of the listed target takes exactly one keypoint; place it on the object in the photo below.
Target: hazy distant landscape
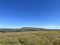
(23, 29)
(29, 36)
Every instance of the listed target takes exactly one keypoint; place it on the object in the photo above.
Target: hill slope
(25, 29)
(30, 38)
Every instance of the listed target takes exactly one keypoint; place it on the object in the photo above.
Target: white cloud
(46, 26)
(50, 26)
(38, 26)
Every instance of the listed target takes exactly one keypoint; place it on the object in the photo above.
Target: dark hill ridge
(26, 29)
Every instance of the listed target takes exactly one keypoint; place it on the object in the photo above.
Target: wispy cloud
(50, 26)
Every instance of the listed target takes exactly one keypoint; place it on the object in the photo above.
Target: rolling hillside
(25, 29)
(30, 38)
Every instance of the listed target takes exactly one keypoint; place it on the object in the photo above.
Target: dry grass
(30, 38)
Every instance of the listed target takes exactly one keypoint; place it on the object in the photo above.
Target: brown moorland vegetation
(30, 38)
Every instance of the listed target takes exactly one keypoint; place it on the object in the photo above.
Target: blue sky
(30, 13)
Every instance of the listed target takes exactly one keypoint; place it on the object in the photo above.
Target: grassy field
(30, 38)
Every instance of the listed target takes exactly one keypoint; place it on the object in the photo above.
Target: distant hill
(25, 29)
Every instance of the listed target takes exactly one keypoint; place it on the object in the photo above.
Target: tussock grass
(30, 38)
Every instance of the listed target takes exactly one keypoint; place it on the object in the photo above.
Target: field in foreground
(30, 38)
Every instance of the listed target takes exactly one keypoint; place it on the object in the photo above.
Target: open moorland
(30, 38)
